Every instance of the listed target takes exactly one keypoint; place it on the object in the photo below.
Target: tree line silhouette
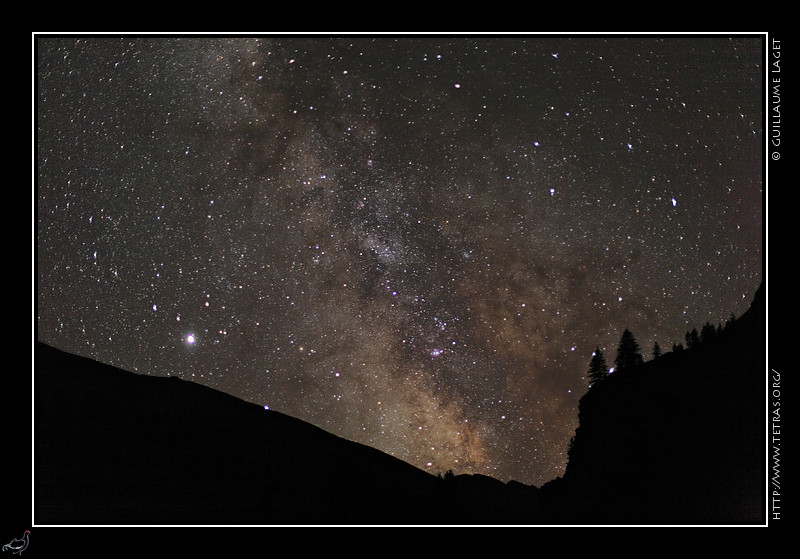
(629, 354)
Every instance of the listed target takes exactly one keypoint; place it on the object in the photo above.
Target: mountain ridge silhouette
(675, 440)
(121, 448)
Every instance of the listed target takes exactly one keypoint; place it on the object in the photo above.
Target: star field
(412, 242)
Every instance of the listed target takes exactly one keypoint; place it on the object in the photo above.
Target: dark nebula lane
(413, 242)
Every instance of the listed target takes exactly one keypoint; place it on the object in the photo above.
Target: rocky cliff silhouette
(677, 440)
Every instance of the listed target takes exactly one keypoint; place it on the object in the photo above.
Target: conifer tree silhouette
(598, 369)
(708, 332)
(628, 354)
(692, 338)
(656, 350)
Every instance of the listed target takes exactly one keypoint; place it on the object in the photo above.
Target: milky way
(412, 242)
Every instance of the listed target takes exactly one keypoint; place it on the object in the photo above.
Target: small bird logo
(17, 546)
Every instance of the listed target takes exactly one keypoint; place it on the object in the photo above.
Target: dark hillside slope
(112, 447)
(678, 440)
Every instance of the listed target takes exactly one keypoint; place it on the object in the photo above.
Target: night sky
(413, 242)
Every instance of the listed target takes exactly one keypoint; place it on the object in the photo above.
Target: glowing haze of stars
(412, 242)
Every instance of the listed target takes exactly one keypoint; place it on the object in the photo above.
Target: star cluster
(414, 242)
